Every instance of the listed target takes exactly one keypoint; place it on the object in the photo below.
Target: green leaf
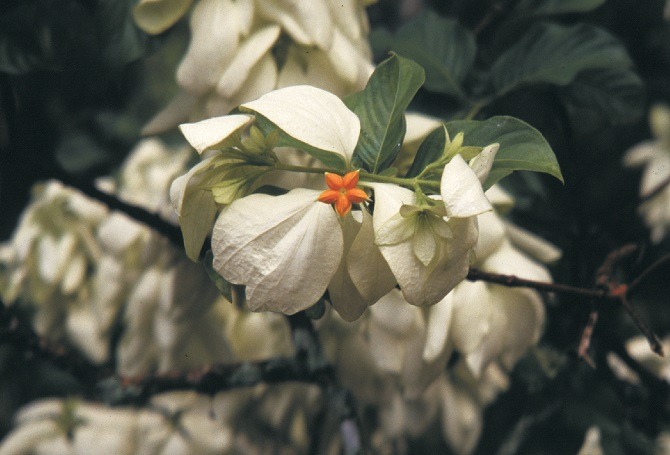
(328, 158)
(122, 41)
(445, 49)
(221, 284)
(552, 7)
(556, 54)
(615, 94)
(522, 147)
(430, 150)
(381, 109)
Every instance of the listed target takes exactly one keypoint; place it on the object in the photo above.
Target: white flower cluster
(242, 49)
(446, 362)
(171, 423)
(654, 156)
(289, 249)
(83, 270)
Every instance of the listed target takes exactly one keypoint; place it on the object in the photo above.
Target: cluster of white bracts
(395, 357)
(83, 269)
(242, 49)
(171, 423)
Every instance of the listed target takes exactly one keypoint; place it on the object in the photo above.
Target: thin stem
(514, 281)
(474, 110)
(367, 176)
(280, 166)
(152, 220)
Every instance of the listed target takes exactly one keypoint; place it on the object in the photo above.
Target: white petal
(500, 198)
(313, 116)
(367, 267)
(156, 16)
(74, 275)
(482, 163)
(345, 14)
(533, 245)
(26, 438)
(308, 23)
(393, 323)
(471, 315)
(262, 78)
(346, 300)
(492, 233)
(285, 249)
(195, 206)
(461, 190)
(176, 112)
(311, 66)
(216, 26)
(357, 69)
(214, 133)
(438, 328)
(462, 418)
(421, 284)
(249, 53)
(641, 153)
(54, 256)
(655, 173)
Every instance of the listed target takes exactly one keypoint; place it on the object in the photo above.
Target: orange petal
(329, 196)
(350, 180)
(334, 181)
(357, 195)
(343, 205)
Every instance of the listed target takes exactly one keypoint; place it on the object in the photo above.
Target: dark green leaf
(122, 41)
(430, 150)
(551, 7)
(556, 54)
(381, 109)
(444, 48)
(522, 147)
(616, 94)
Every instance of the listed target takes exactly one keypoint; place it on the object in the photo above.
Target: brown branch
(22, 336)
(607, 288)
(585, 341)
(140, 214)
(514, 281)
(216, 378)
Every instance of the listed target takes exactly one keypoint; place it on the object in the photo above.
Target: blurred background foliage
(78, 80)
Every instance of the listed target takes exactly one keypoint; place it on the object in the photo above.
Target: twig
(585, 341)
(514, 281)
(653, 340)
(214, 379)
(21, 335)
(152, 220)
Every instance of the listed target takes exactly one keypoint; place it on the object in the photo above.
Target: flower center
(342, 192)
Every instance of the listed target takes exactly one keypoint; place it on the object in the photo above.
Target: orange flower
(343, 192)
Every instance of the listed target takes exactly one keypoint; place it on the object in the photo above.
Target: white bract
(654, 157)
(428, 248)
(242, 49)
